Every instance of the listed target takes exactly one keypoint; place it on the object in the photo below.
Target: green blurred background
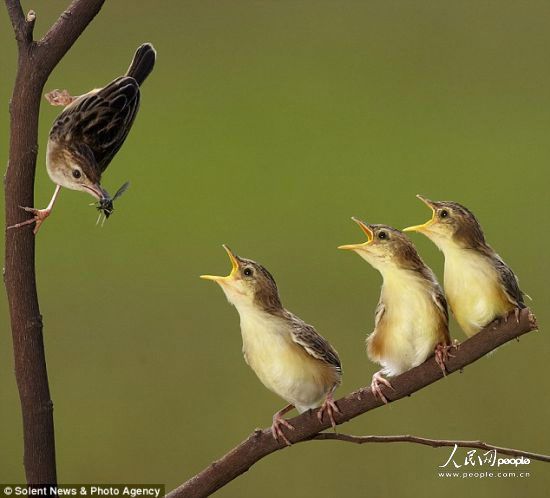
(266, 125)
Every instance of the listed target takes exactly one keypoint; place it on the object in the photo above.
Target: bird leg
(329, 406)
(59, 98)
(279, 421)
(375, 387)
(39, 214)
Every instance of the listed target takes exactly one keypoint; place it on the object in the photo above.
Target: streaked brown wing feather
(441, 304)
(379, 313)
(314, 344)
(509, 281)
(506, 276)
(101, 120)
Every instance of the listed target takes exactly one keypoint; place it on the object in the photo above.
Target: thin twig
(435, 443)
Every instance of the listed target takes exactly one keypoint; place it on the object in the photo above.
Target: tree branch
(15, 11)
(66, 30)
(35, 63)
(434, 443)
(22, 26)
(261, 443)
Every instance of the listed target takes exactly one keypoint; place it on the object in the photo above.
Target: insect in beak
(105, 203)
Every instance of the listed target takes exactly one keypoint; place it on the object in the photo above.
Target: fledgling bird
(480, 287)
(89, 132)
(411, 319)
(289, 357)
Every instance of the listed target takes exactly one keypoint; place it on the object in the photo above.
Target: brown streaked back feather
(100, 120)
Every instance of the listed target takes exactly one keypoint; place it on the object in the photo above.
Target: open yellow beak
(368, 232)
(234, 267)
(420, 228)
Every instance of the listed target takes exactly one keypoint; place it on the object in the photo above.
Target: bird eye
(248, 272)
(382, 235)
(77, 173)
(443, 213)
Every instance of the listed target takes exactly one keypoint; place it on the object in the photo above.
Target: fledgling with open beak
(89, 132)
(411, 319)
(288, 355)
(479, 285)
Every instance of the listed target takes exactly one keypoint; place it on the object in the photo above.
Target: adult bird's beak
(368, 232)
(97, 191)
(234, 268)
(424, 226)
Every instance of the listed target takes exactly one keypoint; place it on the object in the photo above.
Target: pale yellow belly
(286, 369)
(402, 341)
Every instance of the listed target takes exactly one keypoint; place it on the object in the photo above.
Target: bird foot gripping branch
(39, 216)
(330, 407)
(279, 422)
(376, 386)
(442, 354)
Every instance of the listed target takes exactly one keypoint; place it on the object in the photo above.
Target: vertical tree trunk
(19, 277)
(35, 63)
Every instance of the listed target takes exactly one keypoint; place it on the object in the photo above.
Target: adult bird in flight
(89, 132)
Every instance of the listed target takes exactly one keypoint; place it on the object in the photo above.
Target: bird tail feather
(142, 63)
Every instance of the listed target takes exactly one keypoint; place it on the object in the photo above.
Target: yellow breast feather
(408, 327)
(474, 291)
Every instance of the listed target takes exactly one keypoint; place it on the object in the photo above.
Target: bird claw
(39, 216)
(376, 389)
(276, 429)
(59, 98)
(329, 406)
(442, 355)
(517, 312)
